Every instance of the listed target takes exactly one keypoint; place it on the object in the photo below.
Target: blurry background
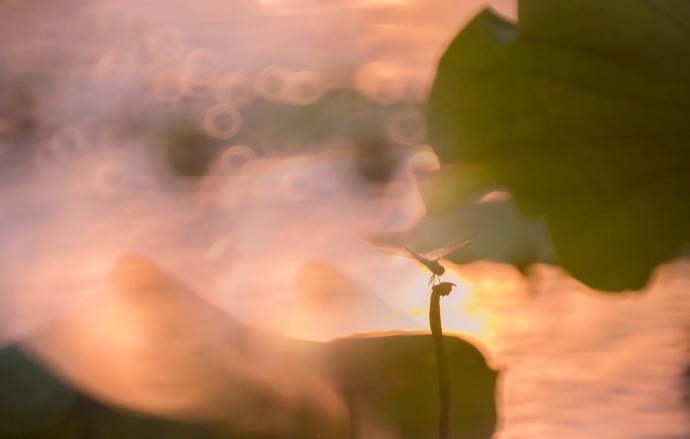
(254, 149)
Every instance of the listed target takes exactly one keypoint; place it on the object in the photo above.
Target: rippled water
(580, 363)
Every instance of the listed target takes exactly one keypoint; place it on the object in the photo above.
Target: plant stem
(446, 422)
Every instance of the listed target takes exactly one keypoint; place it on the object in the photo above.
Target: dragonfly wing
(451, 247)
(421, 258)
(397, 251)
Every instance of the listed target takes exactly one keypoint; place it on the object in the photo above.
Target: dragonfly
(430, 260)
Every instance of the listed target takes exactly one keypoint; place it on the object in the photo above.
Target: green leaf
(582, 109)
(31, 399)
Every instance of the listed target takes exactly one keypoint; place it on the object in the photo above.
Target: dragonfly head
(440, 270)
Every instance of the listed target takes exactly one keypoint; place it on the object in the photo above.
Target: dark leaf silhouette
(582, 110)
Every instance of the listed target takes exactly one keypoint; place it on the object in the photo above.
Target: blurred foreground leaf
(582, 109)
(184, 359)
(30, 398)
(389, 384)
(391, 387)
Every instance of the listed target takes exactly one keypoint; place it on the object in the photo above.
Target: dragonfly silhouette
(430, 260)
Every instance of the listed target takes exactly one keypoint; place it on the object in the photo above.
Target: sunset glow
(191, 200)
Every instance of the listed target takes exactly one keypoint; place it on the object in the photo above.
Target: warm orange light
(150, 345)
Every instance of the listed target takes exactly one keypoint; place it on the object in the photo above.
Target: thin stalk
(444, 389)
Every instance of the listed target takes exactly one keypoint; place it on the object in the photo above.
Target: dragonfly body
(434, 266)
(430, 260)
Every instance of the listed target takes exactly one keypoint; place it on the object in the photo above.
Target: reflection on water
(580, 363)
(230, 143)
